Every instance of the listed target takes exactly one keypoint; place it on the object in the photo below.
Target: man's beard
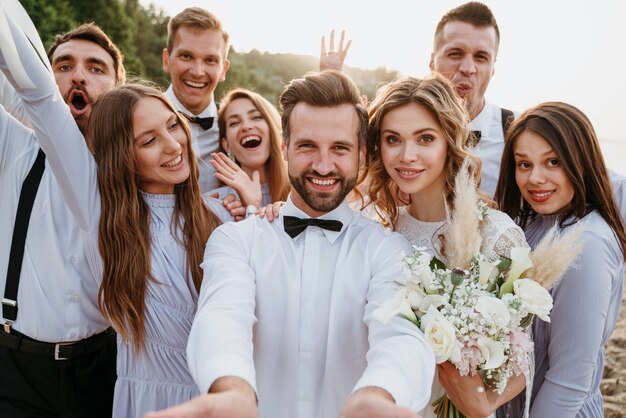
(321, 201)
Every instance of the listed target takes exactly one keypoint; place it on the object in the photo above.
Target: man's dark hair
(474, 13)
(92, 33)
(328, 88)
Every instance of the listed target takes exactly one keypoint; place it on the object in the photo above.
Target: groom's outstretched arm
(229, 397)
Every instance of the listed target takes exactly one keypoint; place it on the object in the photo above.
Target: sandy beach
(614, 380)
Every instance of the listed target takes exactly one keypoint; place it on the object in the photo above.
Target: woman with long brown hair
(251, 163)
(145, 224)
(553, 172)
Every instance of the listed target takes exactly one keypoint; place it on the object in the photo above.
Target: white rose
(492, 351)
(494, 311)
(441, 336)
(535, 297)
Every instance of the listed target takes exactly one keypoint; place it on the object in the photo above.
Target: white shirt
(57, 296)
(490, 146)
(204, 142)
(315, 340)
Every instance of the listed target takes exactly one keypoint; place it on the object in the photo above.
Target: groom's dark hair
(328, 88)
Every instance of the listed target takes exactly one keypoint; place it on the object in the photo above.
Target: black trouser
(35, 386)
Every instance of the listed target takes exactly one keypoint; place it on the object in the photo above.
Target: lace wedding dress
(499, 233)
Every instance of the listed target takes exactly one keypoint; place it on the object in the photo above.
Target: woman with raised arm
(145, 222)
(553, 172)
(251, 164)
(417, 144)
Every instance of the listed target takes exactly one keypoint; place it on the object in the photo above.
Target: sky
(565, 50)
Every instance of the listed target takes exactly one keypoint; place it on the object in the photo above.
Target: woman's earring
(230, 155)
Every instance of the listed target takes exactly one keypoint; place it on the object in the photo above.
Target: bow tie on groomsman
(294, 226)
(205, 123)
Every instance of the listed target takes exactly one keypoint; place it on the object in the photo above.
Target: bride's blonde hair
(438, 96)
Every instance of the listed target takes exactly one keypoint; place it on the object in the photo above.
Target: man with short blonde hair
(196, 60)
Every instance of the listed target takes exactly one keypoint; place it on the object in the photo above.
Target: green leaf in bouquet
(504, 264)
(437, 264)
(528, 319)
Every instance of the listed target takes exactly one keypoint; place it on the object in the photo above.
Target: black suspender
(16, 256)
(507, 120)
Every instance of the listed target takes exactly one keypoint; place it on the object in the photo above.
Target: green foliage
(50, 17)
(141, 34)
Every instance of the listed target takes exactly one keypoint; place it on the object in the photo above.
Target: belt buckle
(57, 347)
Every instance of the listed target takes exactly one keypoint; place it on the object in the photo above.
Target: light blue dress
(569, 351)
(158, 376)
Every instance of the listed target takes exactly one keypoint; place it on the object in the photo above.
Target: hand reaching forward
(374, 403)
(228, 172)
(238, 401)
(333, 60)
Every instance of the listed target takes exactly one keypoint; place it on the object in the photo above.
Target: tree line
(141, 34)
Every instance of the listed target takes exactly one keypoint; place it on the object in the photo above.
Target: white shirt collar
(210, 110)
(342, 213)
(482, 121)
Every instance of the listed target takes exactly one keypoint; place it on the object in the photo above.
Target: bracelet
(251, 210)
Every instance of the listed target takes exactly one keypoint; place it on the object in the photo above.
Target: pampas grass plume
(463, 239)
(555, 254)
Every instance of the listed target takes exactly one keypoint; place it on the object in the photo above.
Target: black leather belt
(19, 342)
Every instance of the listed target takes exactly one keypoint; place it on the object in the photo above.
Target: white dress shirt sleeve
(220, 342)
(11, 101)
(398, 360)
(58, 135)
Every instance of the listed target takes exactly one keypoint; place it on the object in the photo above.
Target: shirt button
(73, 298)
(73, 260)
(307, 347)
(306, 397)
(307, 298)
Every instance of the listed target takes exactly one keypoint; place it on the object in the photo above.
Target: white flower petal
(492, 351)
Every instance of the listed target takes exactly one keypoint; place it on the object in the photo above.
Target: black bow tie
(205, 123)
(474, 138)
(294, 225)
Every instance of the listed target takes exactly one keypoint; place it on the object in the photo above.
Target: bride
(417, 144)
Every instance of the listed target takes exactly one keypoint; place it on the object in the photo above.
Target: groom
(285, 310)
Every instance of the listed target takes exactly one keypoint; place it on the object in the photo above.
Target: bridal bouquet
(468, 316)
(474, 312)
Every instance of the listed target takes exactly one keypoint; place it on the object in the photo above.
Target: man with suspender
(57, 353)
(464, 51)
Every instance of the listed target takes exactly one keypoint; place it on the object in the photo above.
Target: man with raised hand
(196, 60)
(57, 353)
(285, 310)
